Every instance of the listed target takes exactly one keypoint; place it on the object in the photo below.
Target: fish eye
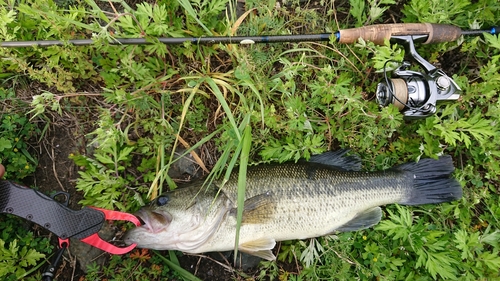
(162, 200)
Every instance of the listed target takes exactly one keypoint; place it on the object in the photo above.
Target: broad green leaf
(5, 144)
(491, 260)
(493, 40)
(32, 257)
(105, 159)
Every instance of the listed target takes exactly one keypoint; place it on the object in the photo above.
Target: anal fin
(260, 248)
(363, 220)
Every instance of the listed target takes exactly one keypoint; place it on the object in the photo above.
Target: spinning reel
(416, 93)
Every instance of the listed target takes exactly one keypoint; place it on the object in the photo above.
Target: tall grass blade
(242, 179)
(220, 97)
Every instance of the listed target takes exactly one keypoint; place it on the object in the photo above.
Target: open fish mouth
(154, 221)
(140, 220)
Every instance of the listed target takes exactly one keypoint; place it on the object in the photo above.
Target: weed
(18, 257)
(20, 251)
(375, 10)
(15, 132)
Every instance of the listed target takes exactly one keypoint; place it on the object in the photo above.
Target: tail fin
(432, 182)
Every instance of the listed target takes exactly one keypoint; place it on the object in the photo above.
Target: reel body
(416, 93)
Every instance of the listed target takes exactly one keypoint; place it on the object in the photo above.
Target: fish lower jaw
(155, 243)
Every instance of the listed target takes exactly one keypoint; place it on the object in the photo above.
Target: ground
(56, 172)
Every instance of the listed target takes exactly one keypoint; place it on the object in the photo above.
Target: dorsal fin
(338, 160)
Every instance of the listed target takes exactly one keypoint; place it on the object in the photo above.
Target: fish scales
(289, 201)
(316, 200)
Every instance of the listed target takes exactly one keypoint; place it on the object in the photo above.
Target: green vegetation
(15, 132)
(256, 104)
(20, 251)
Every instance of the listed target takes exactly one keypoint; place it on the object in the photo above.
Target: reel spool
(396, 93)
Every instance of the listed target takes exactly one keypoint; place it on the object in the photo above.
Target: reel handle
(377, 33)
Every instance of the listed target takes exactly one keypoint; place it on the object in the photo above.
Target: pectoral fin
(258, 209)
(363, 220)
(260, 248)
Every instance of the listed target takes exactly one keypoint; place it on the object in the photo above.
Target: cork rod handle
(377, 33)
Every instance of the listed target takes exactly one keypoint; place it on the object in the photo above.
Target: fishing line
(390, 85)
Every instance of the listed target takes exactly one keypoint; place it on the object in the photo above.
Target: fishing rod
(375, 33)
(414, 93)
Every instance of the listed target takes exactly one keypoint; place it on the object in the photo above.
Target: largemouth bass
(289, 201)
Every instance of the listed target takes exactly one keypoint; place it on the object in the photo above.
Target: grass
(230, 105)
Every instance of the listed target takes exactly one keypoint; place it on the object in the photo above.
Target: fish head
(176, 220)
(155, 220)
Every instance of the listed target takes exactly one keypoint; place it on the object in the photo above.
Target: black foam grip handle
(37, 207)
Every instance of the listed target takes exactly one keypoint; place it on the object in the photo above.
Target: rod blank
(177, 40)
(342, 36)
